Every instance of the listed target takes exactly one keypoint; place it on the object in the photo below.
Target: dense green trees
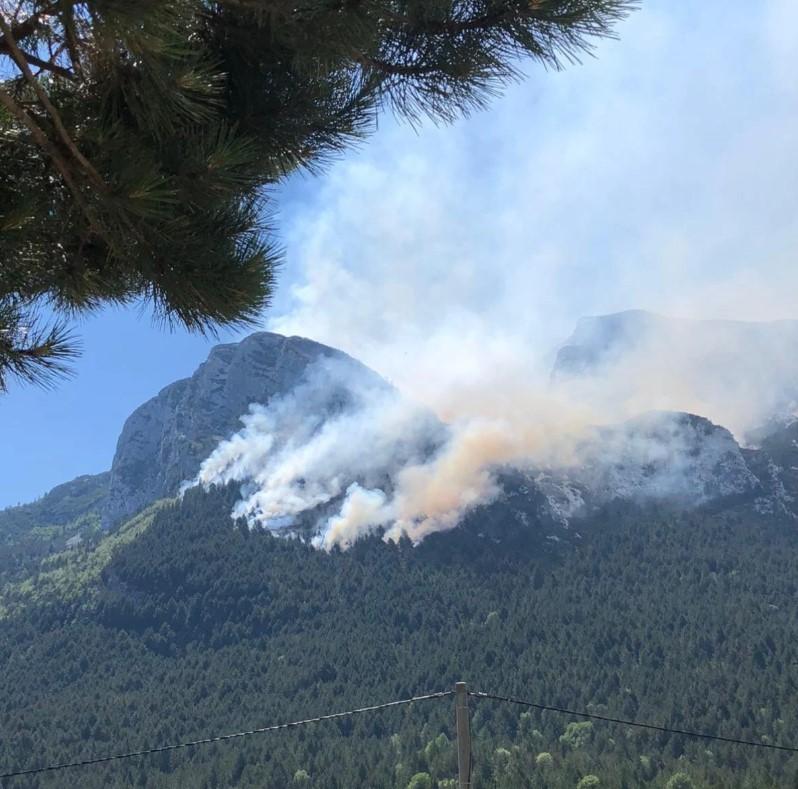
(29, 532)
(198, 627)
(680, 781)
(137, 137)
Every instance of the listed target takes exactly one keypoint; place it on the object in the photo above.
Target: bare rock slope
(164, 441)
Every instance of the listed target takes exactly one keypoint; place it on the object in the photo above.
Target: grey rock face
(663, 455)
(776, 465)
(164, 441)
(601, 340)
(722, 347)
(676, 458)
(673, 461)
(739, 374)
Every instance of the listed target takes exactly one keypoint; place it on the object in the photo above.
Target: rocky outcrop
(675, 458)
(602, 340)
(721, 349)
(669, 457)
(662, 462)
(663, 455)
(164, 441)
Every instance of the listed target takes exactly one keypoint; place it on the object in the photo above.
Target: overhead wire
(638, 724)
(387, 705)
(224, 737)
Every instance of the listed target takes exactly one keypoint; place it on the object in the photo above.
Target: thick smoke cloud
(456, 261)
(740, 375)
(344, 455)
(301, 452)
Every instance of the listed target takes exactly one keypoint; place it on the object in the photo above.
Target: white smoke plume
(353, 455)
(738, 374)
(344, 454)
(303, 450)
(454, 262)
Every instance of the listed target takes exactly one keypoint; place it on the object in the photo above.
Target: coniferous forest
(182, 624)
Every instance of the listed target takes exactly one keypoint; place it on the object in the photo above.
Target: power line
(654, 727)
(225, 737)
(386, 705)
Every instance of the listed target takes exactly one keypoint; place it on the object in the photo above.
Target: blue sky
(661, 175)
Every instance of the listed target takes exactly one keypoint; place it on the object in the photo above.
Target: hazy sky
(660, 175)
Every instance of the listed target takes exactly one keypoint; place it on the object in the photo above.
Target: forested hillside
(183, 625)
(30, 531)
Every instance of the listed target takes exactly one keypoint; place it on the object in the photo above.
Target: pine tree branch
(26, 28)
(68, 18)
(30, 352)
(544, 13)
(537, 10)
(486, 21)
(47, 65)
(44, 142)
(395, 69)
(48, 105)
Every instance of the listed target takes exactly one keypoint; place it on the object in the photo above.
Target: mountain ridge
(597, 337)
(163, 441)
(666, 456)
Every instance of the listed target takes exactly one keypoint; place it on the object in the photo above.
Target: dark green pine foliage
(197, 627)
(138, 137)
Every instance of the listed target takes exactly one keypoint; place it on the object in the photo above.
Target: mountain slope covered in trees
(192, 625)
(654, 581)
(31, 531)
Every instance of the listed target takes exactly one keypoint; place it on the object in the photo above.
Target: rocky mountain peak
(668, 456)
(164, 441)
(598, 341)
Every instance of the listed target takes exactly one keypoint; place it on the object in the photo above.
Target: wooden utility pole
(463, 735)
